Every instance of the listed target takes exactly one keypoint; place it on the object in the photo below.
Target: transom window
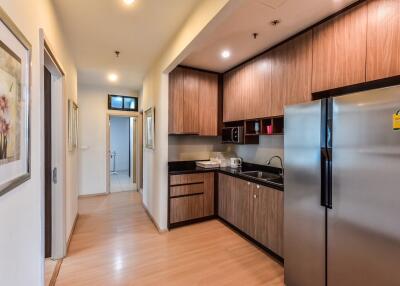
(124, 103)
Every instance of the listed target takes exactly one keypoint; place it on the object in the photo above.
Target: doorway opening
(54, 152)
(122, 153)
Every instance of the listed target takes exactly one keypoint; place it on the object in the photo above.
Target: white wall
(93, 112)
(119, 141)
(269, 146)
(155, 93)
(21, 210)
(187, 148)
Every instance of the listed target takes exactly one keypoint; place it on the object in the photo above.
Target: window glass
(116, 102)
(130, 103)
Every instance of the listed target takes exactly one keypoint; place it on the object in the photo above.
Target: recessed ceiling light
(112, 77)
(225, 54)
(129, 2)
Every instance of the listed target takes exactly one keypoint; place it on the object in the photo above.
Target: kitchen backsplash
(185, 148)
(269, 146)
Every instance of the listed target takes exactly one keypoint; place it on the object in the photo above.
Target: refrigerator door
(304, 217)
(364, 225)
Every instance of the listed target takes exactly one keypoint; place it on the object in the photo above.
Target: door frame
(59, 104)
(127, 114)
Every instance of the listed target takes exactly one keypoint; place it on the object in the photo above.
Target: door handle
(326, 177)
(55, 176)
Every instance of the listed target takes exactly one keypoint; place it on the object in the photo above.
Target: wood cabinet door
(257, 88)
(208, 194)
(175, 105)
(241, 210)
(339, 50)
(226, 186)
(186, 208)
(208, 104)
(268, 217)
(291, 73)
(191, 102)
(383, 41)
(232, 99)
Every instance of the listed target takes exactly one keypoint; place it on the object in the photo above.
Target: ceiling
(235, 33)
(96, 28)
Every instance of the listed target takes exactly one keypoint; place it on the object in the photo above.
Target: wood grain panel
(186, 179)
(186, 190)
(232, 97)
(186, 208)
(208, 194)
(225, 197)
(175, 104)
(208, 104)
(339, 50)
(383, 41)
(268, 218)
(191, 102)
(241, 210)
(291, 73)
(279, 80)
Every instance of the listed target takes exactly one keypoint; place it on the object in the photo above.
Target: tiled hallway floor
(121, 182)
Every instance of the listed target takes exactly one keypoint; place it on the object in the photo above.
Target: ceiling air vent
(272, 3)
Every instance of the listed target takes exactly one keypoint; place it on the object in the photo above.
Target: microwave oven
(233, 135)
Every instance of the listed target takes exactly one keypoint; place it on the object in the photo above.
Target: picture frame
(15, 91)
(72, 125)
(149, 128)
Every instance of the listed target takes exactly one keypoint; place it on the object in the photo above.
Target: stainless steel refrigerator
(342, 191)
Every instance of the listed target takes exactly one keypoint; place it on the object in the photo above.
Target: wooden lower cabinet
(226, 185)
(267, 205)
(186, 208)
(254, 209)
(191, 196)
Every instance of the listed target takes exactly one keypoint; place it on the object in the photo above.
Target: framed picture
(149, 128)
(72, 125)
(15, 65)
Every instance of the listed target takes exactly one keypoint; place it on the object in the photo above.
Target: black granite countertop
(189, 167)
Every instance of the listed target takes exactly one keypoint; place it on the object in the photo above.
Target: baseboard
(92, 195)
(72, 231)
(153, 220)
(54, 276)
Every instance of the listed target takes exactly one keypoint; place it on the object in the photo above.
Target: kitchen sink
(264, 176)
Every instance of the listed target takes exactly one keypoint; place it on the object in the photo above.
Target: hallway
(115, 243)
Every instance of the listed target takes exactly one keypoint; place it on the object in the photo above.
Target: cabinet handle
(255, 196)
(248, 183)
(258, 186)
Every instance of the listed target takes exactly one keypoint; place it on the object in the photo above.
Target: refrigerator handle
(326, 177)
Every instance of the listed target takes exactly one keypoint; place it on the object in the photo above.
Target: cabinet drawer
(186, 190)
(186, 208)
(186, 179)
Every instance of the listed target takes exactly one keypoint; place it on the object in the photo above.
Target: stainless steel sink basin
(264, 176)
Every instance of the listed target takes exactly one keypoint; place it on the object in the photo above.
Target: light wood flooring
(115, 243)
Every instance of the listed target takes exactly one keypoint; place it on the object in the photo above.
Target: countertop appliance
(342, 190)
(236, 163)
(233, 135)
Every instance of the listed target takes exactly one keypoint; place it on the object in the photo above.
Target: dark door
(47, 159)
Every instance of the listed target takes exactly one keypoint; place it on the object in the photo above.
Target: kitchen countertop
(189, 167)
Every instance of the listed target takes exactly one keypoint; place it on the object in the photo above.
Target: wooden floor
(115, 243)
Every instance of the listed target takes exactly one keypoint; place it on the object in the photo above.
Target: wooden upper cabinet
(191, 102)
(175, 105)
(291, 73)
(339, 50)
(232, 101)
(208, 104)
(383, 41)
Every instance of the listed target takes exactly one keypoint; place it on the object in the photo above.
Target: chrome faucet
(280, 159)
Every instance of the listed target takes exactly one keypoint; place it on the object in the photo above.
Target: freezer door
(364, 224)
(304, 217)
